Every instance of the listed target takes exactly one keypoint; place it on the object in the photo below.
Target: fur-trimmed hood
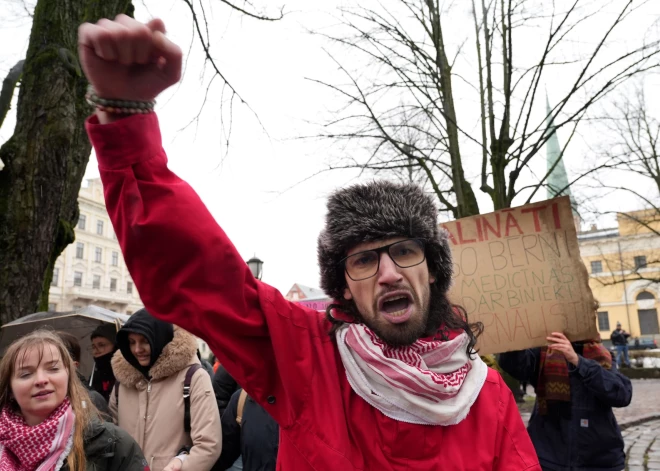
(177, 354)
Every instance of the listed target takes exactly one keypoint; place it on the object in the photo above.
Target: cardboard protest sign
(519, 272)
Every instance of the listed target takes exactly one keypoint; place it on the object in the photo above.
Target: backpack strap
(186, 395)
(241, 405)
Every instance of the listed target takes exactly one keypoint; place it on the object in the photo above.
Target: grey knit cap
(374, 211)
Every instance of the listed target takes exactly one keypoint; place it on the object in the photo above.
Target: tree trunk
(46, 157)
(466, 201)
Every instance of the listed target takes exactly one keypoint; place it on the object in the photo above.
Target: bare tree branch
(8, 86)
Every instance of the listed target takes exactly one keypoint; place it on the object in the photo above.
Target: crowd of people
(387, 378)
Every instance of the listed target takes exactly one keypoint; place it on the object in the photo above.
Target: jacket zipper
(146, 414)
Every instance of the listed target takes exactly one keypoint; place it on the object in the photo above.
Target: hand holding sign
(559, 343)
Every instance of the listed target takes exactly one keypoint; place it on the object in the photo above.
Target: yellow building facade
(624, 267)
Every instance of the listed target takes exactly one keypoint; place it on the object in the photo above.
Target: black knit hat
(108, 331)
(374, 211)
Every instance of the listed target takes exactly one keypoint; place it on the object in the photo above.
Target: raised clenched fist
(128, 60)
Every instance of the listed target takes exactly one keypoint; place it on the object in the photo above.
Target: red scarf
(43, 447)
(554, 383)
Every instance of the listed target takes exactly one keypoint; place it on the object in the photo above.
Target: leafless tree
(402, 102)
(630, 149)
(46, 157)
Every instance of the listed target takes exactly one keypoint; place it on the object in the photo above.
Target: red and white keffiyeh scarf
(43, 447)
(430, 382)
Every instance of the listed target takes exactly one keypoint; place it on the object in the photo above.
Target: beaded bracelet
(118, 106)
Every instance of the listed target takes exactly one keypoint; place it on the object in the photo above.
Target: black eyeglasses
(404, 253)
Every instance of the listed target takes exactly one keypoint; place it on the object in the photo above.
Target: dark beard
(439, 313)
(442, 317)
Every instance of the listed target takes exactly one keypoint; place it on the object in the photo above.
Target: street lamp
(256, 267)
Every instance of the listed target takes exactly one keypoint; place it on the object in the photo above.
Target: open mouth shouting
(396, 306)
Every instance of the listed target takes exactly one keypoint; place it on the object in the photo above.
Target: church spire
(557, 179)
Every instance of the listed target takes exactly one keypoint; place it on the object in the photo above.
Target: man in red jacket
(396, 386)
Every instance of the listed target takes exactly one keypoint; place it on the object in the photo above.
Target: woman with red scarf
(47, 421)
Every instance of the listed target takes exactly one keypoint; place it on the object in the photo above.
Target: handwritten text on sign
(519, 272)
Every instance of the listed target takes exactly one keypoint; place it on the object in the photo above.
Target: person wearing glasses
(387, 379)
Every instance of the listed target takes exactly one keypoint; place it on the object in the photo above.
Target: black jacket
(97, 399)
(103, 379)
(619, 337)
(582, 435)
(223, 387)
(109, 448)
(257, 440)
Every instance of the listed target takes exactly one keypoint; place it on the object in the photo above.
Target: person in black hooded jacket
(151, 366)
(104, 346)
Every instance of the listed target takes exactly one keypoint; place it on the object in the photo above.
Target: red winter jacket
(188, 272)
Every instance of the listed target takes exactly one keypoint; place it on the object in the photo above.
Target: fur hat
(374, 211)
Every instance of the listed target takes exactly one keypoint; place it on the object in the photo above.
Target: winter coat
(103, 379)
(189, 273)
(97, 399)
(619, 337)
(109, 448)
(224, 386)
(152, 410)
(206, 365)
(256, 439)
(582, 435)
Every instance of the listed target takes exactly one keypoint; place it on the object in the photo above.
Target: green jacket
(109, 448)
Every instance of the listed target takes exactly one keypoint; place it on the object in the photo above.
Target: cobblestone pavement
(642, 444)
(645, 402)
(646, 394)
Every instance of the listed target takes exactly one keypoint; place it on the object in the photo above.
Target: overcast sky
(257, 188)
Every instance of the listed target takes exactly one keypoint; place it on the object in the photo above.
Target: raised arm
(186, 269)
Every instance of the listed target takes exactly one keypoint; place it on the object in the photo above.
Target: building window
(115, 259)
(597, 267)
(644, 296)
(98, 254)
(82, 221)
(77, 278)
(640, 262)
(56, 277)
(99, 227)
(603, 320)
(96, 284)
(52, 307)
(129, 287)
(80, 247)
(113, 284)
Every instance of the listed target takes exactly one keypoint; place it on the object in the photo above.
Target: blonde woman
(47, 421)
